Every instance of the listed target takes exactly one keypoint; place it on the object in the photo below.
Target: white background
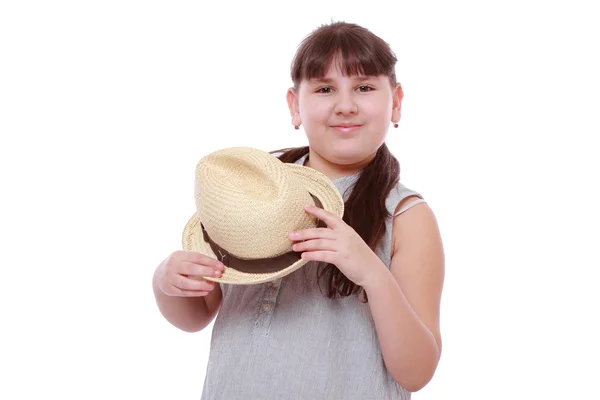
(106, 107)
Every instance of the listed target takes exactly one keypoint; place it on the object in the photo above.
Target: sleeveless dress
(285, 340)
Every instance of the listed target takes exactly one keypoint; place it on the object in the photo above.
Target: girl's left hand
(338, 244)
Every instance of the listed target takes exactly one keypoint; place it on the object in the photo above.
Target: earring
(296, 127)
(395, 125)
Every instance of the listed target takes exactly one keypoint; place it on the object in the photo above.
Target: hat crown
(249, 202)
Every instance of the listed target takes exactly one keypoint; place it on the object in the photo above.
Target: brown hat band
(260, 265)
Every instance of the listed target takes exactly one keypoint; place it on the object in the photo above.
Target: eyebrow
(328, 80)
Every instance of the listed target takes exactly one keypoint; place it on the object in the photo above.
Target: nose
(345, 104)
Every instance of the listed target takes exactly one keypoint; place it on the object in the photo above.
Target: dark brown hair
(362, 53)
(359, 52)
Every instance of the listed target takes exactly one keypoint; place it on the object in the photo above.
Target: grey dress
(285, 340)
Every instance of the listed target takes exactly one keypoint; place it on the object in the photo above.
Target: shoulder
(401, 198)
(409, 210)
(402, 191)
(412, 216)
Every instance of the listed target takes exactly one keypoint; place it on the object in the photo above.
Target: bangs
(354, 50)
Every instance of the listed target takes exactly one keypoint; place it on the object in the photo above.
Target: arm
(405, 299)
(188, 313)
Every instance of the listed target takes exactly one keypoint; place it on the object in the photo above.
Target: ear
(397, 97)
(292, 100)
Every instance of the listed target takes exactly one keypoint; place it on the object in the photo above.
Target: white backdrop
(106, 107)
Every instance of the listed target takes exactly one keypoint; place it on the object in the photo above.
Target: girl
(361, 320)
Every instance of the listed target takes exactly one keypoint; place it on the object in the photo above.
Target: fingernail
(217, 273)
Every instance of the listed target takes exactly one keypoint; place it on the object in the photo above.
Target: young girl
(361, 319)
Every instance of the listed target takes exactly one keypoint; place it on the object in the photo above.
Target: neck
(332, 170)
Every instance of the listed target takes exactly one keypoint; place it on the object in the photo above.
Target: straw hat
(247, 203)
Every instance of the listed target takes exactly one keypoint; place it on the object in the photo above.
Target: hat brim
(315, 183)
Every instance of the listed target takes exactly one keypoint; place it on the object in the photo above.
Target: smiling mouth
(345, 128)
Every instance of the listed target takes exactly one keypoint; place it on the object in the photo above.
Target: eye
(365, 88)
(324, 90)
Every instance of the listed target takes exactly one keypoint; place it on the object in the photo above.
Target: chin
(348, 156)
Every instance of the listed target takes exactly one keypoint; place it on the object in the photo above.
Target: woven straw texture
(249, 201)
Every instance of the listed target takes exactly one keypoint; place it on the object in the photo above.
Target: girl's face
(346, 118)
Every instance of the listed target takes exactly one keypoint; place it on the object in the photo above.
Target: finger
(316, 244)
(191, 269)
(324, 256)
(331, 220)
(185, 283)
(313, 233)
(189, 293)
(197, 258)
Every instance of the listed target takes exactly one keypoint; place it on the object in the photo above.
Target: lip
(346, 128)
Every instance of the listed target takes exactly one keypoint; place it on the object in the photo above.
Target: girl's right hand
(180, 274)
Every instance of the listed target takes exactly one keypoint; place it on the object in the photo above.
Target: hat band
(260, 265)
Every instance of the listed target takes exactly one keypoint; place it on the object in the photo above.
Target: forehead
(340, 78)
(335, 70)
(333, 76)
(339, 67)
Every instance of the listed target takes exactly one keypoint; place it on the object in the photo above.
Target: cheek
(380, 110)
(314, 114)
